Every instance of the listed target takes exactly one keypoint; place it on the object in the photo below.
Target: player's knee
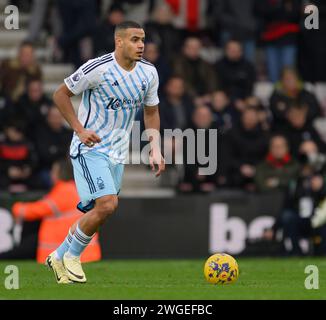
(107, 207)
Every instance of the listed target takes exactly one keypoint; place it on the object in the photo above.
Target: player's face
(133, 43)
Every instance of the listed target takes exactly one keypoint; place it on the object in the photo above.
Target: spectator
(237, 20)
(57, 212)
(7, 111)
(175, 110)
(78, 23)
(236, 75)
(225, 115)
(33, 106)
(299, 129)
(310, 154)
(190, 17)
(304, 195)
(161, 30)
(17, 159)
(278, 168)
(291, 90)
(198, 75)
(37, 16)
(14, 73)
(153, 55)
(103, 39)
(176, 106)
(136, 10)
(192, 180)
(280, 30)
(243, 148)
(264, 113)
(52, 142)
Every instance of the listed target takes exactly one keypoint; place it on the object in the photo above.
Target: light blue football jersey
(111, 97)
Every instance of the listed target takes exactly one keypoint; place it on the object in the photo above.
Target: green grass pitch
(169, 279)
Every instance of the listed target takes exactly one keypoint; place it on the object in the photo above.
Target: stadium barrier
(180, 227)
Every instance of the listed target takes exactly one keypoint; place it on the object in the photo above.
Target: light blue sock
(64, 247)
(79, 242)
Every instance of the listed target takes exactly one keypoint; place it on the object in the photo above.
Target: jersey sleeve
(84, 78)
(151, 98)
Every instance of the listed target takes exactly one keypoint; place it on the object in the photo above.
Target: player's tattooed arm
(61, 98)
(152, 126)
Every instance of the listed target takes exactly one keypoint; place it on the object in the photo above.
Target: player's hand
(155, 158)
(88, 137)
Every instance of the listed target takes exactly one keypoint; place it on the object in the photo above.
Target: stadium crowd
(261, 147)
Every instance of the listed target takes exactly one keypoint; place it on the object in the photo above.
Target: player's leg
(55, 260)
(82, 180)
(90, 222)
(85, 230)
(117, 173)
(64, 247)
(95, 184)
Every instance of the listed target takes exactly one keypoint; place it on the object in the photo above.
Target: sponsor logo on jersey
(115, 103)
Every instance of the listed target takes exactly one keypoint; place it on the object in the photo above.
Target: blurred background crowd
(247, 68)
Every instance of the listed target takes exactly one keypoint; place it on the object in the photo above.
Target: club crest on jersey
(100, 183)
(143, 85)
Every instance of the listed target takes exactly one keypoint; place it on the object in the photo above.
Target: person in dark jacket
(78, 26)
(237, 20)
(193, 181)
(288, 91)
(33, 106)
(7, 110)
(243, 148)
(14, 73)
(18, 159)
(198, 75)
(160, 29)
(280, 31)
(298, 129)
(153, 55)
(225, 114)
(176, 105)
(278, 168)
(102, 38)
(236, 75)
(52, 142)
(304, 195)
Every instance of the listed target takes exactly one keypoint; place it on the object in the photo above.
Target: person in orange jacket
(58, 213)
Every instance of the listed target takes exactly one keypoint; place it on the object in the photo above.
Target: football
(221, 268)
